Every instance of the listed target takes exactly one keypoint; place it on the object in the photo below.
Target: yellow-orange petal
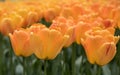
(71, 32)
(42, 40)
(58, 41)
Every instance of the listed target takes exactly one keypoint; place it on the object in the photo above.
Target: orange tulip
(115, 16)
(66, 27)
(74, 9)
(47, 43)
(100, 46)
(10, 22)
(49, 14)
(80, 30)
(20, 43)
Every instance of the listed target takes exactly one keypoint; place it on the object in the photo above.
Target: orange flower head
(51, 10)
(100, 46)
(20, 41)
(10, 22)
(80, 30)
(49, 15)
(47, 43)
(66, 27)
(32, 17)
(115, 16)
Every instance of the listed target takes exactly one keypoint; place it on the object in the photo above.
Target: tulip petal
(106, 53)
(58, 41)
(43, 36)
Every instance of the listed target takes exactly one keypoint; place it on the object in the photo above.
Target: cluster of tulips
(14, 15)
(90, 23)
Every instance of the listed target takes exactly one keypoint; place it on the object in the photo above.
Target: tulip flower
(20, 41)
(32, 17)
(66, 27)
(46, 43)
(10, 22)
(75, 9)
(100, 46)
(49, 15)
(116, 16)
(80, 30)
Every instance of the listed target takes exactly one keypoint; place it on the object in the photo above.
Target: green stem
(11, 64)
(11, 56)
(73, 58)
(62, 64)
(40, 66)
(45, 67)
(24, 66)
(99, 70)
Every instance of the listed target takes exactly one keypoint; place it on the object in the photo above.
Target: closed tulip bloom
(20, 43)
(100, 46)
(47, 43)
(32, 17)
(116, 16)
(50, 14)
